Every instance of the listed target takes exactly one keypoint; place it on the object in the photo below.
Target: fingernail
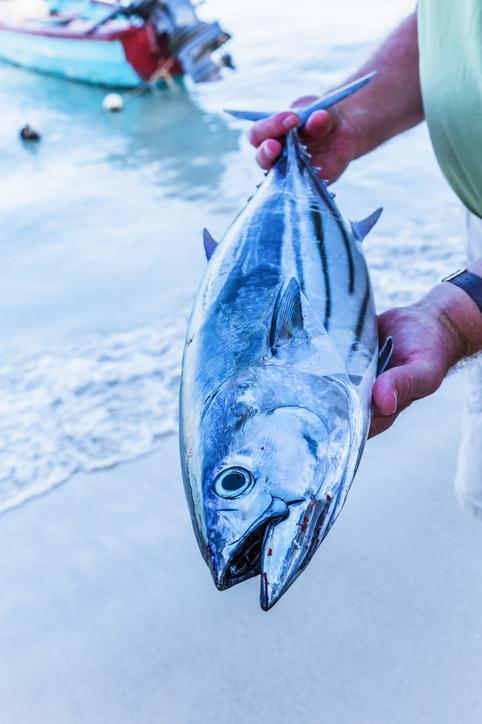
(319, 115)
(269, 150)
(291, 121)
(395, 403)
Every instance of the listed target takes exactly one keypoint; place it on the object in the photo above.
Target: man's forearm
(392, 102)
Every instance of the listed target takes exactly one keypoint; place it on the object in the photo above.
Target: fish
(280, 357)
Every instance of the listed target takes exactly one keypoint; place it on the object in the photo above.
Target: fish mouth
(290, 544)
(278, 547)
(246, 560)
(242, 559)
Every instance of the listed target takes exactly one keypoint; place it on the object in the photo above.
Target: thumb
(319, 124)
(399, 386)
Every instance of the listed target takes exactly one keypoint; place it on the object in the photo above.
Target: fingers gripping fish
(279, 362)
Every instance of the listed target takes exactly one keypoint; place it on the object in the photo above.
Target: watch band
(470, 283)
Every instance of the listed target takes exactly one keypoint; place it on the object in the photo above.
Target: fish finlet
(385, 356)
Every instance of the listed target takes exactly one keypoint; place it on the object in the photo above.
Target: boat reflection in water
(116, 44)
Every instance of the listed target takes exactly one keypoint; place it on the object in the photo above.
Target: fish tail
(320, 104)
(248, 115)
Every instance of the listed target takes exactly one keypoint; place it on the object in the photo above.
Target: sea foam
(85, 408)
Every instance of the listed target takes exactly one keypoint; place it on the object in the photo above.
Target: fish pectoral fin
(293, 318)
(385, 356)
(210, 244)
(287, 321)
(362, 228)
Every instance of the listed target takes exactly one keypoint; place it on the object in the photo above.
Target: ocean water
(101, 227)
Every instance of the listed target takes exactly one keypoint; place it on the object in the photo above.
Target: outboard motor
(191, 40)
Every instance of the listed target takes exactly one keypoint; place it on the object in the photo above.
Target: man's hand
(424, 351)
(331, 139)
(388, 105)
(429, 338)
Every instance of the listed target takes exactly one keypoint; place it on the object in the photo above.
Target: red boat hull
(47, 48)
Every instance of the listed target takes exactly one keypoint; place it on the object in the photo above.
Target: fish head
(272, 460)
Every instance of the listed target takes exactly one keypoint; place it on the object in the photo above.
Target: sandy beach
(108, 613)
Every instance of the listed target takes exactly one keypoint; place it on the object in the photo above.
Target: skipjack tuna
(278, 367)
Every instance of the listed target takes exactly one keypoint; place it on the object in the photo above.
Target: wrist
(359, 120)
(354, 116)
(367, 128)
(460, 318)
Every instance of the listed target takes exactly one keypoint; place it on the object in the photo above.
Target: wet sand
(108, 614)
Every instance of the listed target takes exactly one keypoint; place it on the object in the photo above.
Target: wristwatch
(470, 283)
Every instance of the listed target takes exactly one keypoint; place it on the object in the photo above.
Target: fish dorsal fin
(287, 321)
(363, 227)
(210, 245)
(385, 356)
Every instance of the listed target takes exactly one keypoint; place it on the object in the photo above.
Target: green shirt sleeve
(450, 44)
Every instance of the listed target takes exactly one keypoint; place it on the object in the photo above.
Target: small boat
(116, 44)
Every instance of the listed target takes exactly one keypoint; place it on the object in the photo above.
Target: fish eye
(233, 482)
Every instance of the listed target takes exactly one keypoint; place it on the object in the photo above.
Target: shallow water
(101, 247)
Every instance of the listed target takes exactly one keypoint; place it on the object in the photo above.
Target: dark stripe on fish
(326, 196)
(299, 268)
(361, 318)
(346, 241)
(318, 224)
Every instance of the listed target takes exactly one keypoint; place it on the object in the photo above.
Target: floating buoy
(27, 133)
(113, 102)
